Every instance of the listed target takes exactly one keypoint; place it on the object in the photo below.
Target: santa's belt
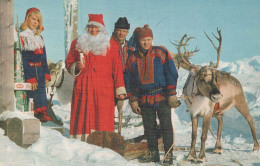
(36, 64)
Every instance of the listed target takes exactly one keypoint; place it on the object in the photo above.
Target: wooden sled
(129, 149)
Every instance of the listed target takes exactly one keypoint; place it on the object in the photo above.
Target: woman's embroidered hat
(31, 10)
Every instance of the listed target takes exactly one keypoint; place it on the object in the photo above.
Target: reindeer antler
(217, 48)
(187, 54)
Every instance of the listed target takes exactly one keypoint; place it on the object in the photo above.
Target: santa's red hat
(96, 19)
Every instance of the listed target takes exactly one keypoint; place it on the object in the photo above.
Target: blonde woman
(35, 65)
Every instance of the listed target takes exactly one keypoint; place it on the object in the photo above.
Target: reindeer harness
(190, 91)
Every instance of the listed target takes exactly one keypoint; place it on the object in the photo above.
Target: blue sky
(169, 20)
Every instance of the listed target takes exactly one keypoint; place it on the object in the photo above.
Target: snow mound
(246, 66)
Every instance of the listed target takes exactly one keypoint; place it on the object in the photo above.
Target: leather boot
(150, 156)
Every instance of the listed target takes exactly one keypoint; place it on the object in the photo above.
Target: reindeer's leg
(192, 154)
(218, 147)
(242, 107)
(120, 104)
(205, 128)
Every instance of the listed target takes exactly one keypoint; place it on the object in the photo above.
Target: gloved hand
(135, 108)
(173, 101)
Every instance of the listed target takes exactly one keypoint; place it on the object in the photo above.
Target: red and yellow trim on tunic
(146, 68)
(152, 99)
(35, 64)
(38, 51)
(171, 90)
(131, 97)
(32, 80)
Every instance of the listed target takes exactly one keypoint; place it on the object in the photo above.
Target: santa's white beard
(96, 44)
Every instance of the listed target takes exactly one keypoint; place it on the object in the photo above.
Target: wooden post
(23, 132)
(71, 23)
(6, 56)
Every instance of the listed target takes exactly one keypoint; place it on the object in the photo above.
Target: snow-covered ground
(53, 149)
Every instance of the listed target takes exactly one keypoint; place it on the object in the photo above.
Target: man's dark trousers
(150, 125)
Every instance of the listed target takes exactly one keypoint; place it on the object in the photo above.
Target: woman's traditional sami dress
(35, 71)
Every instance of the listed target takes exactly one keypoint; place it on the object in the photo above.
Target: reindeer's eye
(52, 72)
(204, 75)
(202, 79)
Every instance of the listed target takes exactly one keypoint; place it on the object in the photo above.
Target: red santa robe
(92, 106)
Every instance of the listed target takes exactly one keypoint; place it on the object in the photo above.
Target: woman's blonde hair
(39, 29)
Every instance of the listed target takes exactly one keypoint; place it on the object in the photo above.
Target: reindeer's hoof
(190, 158)
(256, 149)
(193, 160)
(201, 160)
(217, 151)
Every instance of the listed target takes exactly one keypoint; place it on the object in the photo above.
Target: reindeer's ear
(211, 64)
(194, 70)
(59, 64)
(49, 62)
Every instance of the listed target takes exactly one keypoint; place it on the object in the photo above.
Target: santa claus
(98, 72)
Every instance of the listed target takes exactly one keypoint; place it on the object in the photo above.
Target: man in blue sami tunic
(151, 79)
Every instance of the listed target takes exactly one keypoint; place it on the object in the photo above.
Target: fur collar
(31, 41)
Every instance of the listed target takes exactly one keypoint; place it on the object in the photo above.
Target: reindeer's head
(206, 76)
(55, 72)
(207, 83)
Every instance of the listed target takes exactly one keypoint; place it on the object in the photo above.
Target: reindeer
(207, 88)
(62, 80)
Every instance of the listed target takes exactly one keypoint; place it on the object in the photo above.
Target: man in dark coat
(118, 39)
